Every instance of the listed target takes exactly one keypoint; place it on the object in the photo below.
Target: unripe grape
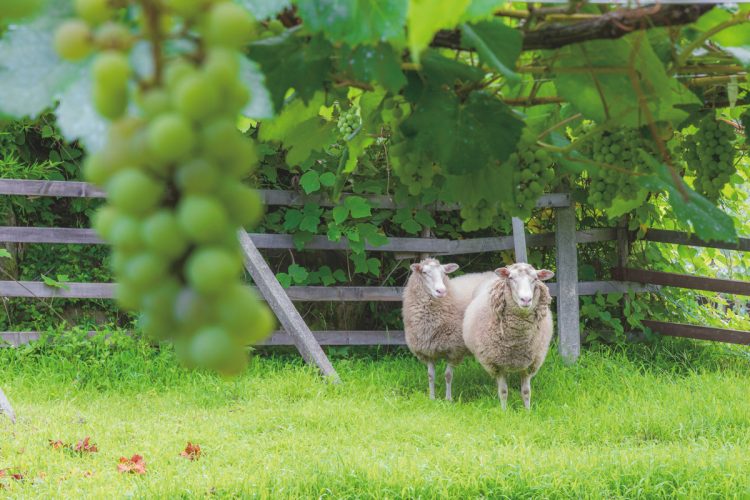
(211, 346)
(163, 235)
(127, 297)
(196, 97)
(185, 8)
(103, 221)
(154, 102)
(202, 218)
(243, 204)
(197, 176)
(111, 69)
(210, 269)
(93, 11)
(113, 36)
(73, 40)
(144, 270)
(229, 25)
(134, 192)
(170, 137)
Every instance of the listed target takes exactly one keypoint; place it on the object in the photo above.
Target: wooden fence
(566, 238)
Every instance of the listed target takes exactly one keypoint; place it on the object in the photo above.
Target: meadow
(650, 420)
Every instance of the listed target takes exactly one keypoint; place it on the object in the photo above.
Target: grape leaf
(340, 213)
(735, 39)
(358, 206)
(340, 276)
(427, 17)
(300, 128)
(411, 226)
(77, 117)
(32, 75)
(709, 222)
(355, 21)
(292, 218)
(298, 273)
(463, 136)
(482, 9)
(259, 106)
(425, 218)
(289, 61)
(284, 279)
(380, 64)
(310, 181)
(612, 95)
(263, 9)
(328, 179)
(497, 44)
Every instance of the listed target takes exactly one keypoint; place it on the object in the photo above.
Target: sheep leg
(448, 381)
(526, 391)
(502, 391)
(431, 378)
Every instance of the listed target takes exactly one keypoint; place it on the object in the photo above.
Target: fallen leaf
(133, 465)
(58, 444)
(84, 446)
(192, 451)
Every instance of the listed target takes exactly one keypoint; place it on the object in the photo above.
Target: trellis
(567, 289)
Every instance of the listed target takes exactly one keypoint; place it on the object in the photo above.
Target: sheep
(433, 309)
(508, 326)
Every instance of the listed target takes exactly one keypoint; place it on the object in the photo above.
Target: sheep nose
(440, 292)
(525, 302)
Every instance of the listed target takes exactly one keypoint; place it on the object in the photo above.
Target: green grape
(125, 234)
(209, 269)
(276, 26)
(160, 299)
(229, 25)
(192, 310)
(144, 270)
(111, 69)
(127, 296)
(219, 139)
(176, 71)
(210, 346)
(222, 67)
(196, 97)
(197, 176)
(134, 192)
(154, 103)
(242, 203)
(185, 8)
(103, 220)
(162, 234)
(110, 102)
(202, 218)
(170, 137)
(243, 160)
(93, 11)
(73, 40)
(709, 153)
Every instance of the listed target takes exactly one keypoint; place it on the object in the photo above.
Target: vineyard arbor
(473, 106)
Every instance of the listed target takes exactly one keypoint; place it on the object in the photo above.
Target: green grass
(639, 421)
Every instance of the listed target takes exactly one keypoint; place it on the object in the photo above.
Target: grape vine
(173, 170)
(710, 153)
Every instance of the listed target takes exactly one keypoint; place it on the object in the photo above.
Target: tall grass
(662, 420)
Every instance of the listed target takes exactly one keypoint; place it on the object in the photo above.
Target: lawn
(671, 419)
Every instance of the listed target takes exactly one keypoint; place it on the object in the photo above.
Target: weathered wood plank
(282, 306)
(37, 289)
(567, 282)
(69, 189)
(63, 235)
(699, 332)
(6, 408)
(682, 281)
(681, 238)
(519, 240)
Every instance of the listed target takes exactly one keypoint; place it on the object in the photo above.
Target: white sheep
(508, 326)
(433, 313)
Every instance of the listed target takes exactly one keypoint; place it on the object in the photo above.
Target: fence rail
(682, 281)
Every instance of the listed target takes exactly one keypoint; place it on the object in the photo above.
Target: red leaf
(17, 476)
(192, 451)
(133, 465)
(84, 446)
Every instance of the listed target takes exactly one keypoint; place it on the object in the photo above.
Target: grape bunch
(478, 214)
(533, 169)
(414, 171)
(173, 174)
(274, 27)
(710, 154)
(349, 123)
(617, 153)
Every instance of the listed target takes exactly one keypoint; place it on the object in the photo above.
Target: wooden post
(519, 240)
(285, 311)
(6, 408)
(567, 281)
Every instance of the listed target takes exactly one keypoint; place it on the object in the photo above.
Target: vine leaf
(310, 181)
(263, 9)
(260, 105)
(32, 75)
(481, 9)
(602, 96)
(709, 222)
(328, 179)
(288, 61)
(340, 213)
(357, 206)
(422, 28)
(735, 39)
(381, 64)
(463, 136)
(497, 45)
(355, 22)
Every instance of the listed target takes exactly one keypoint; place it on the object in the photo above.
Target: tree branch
(611, 25)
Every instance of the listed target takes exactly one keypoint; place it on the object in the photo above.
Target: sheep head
(433, 276)
(525, 284)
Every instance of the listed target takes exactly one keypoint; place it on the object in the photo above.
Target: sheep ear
(544, 274)
(503, 272)
(417, 268)
(449, 268)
